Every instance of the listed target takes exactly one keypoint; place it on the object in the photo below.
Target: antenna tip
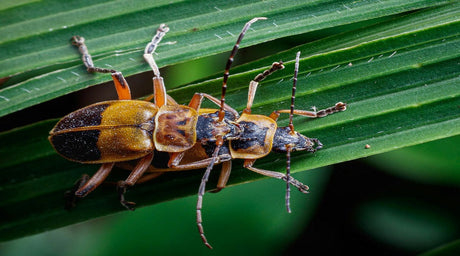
(297, 56)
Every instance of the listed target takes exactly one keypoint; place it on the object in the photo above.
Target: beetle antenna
(291, 126)
(294, 84)
(229, 64)
(202, 190)
(288, 177)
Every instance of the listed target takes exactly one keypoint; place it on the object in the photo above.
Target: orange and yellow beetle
(121, 130)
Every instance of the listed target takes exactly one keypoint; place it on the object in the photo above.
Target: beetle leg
(175, 158)
(137, 172)
(152, 173)
(299, 185)
(95, 180)
(70, 194)
(193, 165)
(148, 176)
(339, 106)
(159, 90)
(121, 85)
(255, 82)
(169, 99)
(152, 46)
(79, 42)
(224, 175)
(197, 98)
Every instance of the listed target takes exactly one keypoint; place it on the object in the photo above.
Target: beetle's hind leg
(85, 185)
(122, 87)
(95, 180)
(133, 177)
(197, 99)
(70, 197)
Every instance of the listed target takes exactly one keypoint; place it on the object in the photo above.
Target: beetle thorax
(209, 128)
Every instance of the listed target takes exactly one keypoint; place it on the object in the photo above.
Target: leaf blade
(51, 69)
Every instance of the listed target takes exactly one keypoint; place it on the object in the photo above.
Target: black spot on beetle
(181, 123)
(89, 116)
(182, 132)
(210, 147)
(78, 145)
(252, 135)
(204, 128)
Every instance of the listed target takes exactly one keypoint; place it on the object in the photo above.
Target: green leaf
(41, 64)
(399, 77)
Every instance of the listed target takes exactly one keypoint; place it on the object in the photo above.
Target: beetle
(121, 130)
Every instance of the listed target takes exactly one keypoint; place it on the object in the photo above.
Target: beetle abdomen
(78, 146)
(110, 131)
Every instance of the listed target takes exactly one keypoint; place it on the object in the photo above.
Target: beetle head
(296, 141)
